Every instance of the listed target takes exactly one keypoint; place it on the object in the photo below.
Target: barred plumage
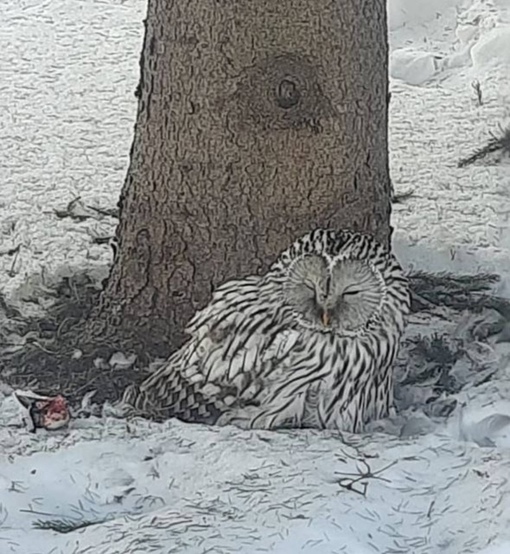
(309, 344)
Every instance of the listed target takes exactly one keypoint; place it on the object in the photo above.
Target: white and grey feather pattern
(309, 344)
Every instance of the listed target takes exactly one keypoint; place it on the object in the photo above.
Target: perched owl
(309, 344)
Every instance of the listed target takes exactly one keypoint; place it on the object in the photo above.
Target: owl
(309, 344)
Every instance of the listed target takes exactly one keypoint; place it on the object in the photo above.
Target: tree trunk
(258, 120)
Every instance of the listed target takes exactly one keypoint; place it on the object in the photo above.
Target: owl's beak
(325, 318)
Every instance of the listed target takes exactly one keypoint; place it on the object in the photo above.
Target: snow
(497, 549)
(492, 49)
(410, 13)
(412, 66)
(69, 70)
(189, 487)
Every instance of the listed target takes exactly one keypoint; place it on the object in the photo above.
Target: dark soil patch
(53, 357)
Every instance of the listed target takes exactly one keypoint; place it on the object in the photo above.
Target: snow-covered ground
(68, 72)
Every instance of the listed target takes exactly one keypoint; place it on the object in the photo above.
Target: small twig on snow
(357, 482)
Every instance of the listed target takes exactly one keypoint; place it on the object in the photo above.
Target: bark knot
(287, 93)
(280, 92)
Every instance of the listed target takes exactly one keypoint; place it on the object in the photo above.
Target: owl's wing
(234, 343)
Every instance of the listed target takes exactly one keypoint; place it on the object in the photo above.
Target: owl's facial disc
(338, 298)
(356, 293)
(306, 288)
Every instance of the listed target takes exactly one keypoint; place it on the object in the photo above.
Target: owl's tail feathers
(170, 395)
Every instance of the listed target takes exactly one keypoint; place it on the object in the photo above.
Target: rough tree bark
(258, 120)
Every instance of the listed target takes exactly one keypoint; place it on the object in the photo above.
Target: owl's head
(336, 295)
